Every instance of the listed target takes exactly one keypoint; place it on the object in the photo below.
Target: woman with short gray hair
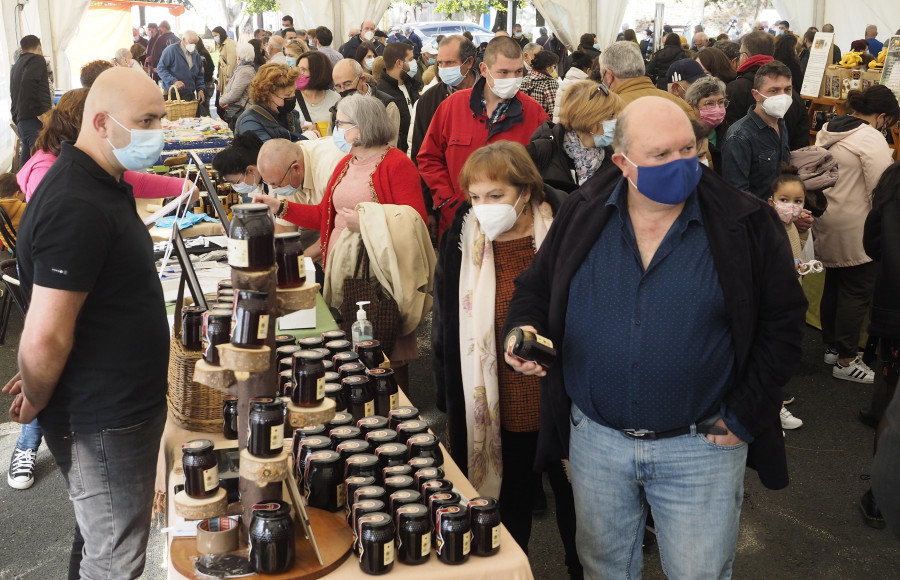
(369, 116)
(237, 90)
(707, 97)
(123, 58)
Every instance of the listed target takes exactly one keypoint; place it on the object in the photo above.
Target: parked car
(428, 30)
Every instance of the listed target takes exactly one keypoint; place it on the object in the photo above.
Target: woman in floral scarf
(493, 412)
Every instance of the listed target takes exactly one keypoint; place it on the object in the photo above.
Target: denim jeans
(28, 130)
(29, 436)
(693, 486)
(110, 480)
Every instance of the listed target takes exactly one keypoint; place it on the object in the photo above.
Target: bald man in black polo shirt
(94, 349)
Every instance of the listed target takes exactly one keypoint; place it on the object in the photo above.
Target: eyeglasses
(720, 103)
(744, 53)
(280, 181)
(350, 124)
(601, 88)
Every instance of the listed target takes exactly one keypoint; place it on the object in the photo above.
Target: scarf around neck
(587, 159)
(752, 61)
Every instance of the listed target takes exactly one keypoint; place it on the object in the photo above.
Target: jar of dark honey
(340, 434)
(306, 447)
(398, 415)
(271, 537)
(408, 429)
(360, 396)
(413, 534)
(323, 480)
(484, 519)
(309, 379)
(230, 417)
(454, 540)
(376, 543)
(438, 500)
(362, 465)
(335, 392)
(370, 353)
(387, 394)
(390, 454)
(192, 327)
(201, 472)
(216, 331)
(359, 509)
(373, 423)
(425, 445)
(266, 437)
(251, 238)
(289, 260)
(404, 497)
(251, 320)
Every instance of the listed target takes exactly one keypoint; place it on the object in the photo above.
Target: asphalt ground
(812, 529)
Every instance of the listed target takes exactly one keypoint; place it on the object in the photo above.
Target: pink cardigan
(145, 185)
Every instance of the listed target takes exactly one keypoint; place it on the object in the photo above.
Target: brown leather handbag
(382, 310)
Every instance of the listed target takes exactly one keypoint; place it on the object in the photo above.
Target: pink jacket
(145, 185)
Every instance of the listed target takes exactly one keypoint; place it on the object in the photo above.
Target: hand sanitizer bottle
(362, 328)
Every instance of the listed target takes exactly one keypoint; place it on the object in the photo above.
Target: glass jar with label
(360, 396)
(454, 540)
(413, 534)
(323, 480)
(373, 423)
(387, 393)
(230, 417)
(370, 353)
(484, 518)
(289, 259)
(251, 320)
(192, 327)
(309, 379)
(216, 331)
(391, 454)
(376, 543)
(266, 437)
(425, 445)
(306, 447)
(271, 537)
(380, 437)
(201, 472)
(438, 500)
(359, 509)
(251, 240)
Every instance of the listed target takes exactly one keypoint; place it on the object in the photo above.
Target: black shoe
(867, 418)
(871, 513)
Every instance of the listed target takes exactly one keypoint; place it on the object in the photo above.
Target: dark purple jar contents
(251, 320)
(289, 260)
(407, 429)
(251, 243)
(362, 465)
(308, 445)
(454, 540)
(360, 396)
(376, 543)
(413, 534)
(323, 480)
(370, 353)
(484, 519)
(425, 445)
(309, 379)
(271, 537)
(266, 421)
(230, 417)
(387, 394)
(192, 327)
(216, 331)
(201, 472)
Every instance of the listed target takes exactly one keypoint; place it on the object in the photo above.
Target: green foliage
(259, 6)
(449, 7)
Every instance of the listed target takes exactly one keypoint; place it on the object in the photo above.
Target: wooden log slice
(244, 359)
(258, 280)
(265, 470)
(201, 509)
(218, 378)
(300, 417)
(294, 299)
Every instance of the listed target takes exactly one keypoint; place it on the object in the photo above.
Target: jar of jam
(438, 500)
(306, 447)
(362, 465)
(370, 354)
(484, 519)
(201, 472)
(338, 346)
(309, 379)
(398, 415)
(390, 454)
(397, 482)
(230, 417)
(286, 351)
(331, 376)
(352, 447)
(351, 484)
(422, 463)
(266, 437)
(392, 470)
(271, 537)
(425, 445)
(343, 358)
(330, 335)
(427, 474)
(404, 497)
(408, 429)
(373, 423)
(454, 541)
(433, 486)
(360, 396)
(284, 378)
(323, 480)
(192, 327)
(251, 238)
(413, 534)
(351, 369)
(380, 437)
(369, 492)
(251, 320)
(359, 509)
(340, 434)
(216, 331)
(376, 543)
(340, 420)
(289, 259)
(387, 394)
(310, 342)
(528, 346)
(335, 392)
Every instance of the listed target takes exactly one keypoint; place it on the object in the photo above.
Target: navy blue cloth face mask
(670, 183)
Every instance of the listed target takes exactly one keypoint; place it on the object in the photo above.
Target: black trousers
(518, 489)
(845, 301)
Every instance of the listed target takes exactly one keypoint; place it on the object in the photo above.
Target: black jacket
(796, 119)
(660, 62)
(388, 85)
(29, 87)
(765, 305)
(446, 364)
(881, 240)
(555, 166)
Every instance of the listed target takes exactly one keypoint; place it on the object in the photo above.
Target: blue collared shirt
(752, 153)
(649, 349)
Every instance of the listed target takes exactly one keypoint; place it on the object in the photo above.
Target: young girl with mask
(493, 412)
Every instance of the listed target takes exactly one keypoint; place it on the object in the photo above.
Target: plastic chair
(12, 294)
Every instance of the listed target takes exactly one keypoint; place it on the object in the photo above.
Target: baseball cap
(686, 69)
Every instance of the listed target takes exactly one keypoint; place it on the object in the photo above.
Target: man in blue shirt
(875, 45)
(758, 144)
(673, 302)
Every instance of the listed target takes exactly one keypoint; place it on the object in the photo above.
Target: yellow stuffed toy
(879, 61)
(851, 59)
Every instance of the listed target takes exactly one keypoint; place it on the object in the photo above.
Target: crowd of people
(614, 200)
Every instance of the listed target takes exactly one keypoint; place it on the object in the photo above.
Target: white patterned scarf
(587, 159)
(478, 349)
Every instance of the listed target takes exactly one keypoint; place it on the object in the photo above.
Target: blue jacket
(173, 67)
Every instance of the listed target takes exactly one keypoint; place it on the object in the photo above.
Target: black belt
(645, 434)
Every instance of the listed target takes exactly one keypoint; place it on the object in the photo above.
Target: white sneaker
(788, 421)
(857, 372)
(831, 356)
(21, 469)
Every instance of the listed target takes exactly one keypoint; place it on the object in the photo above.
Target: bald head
(280, 163)
(871, 31)
(642, 132)
(501, 33)
(347, 75)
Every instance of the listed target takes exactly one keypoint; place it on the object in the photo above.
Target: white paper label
(263, 329)
(389, 553)
(467, 543)
(395, 401)
(276, 440)
(340, 495)
(238, 253)
(320, 388)
(426, 544)
(369, 409)
(211, 478)
(495, 537)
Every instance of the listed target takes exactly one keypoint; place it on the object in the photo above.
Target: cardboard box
(869, 77)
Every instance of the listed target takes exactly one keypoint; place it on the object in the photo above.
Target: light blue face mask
(142, 150)
(430, 61)
(413, 68)
(340, 141)
(606, 139)
(291, 61)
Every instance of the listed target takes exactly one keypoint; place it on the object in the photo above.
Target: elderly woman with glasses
(270, 112)
(707, 97)
(570, 152)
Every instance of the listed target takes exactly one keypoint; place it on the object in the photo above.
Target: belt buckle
(639, 433)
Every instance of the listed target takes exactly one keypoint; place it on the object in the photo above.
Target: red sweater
(458, 128)
(396, 182)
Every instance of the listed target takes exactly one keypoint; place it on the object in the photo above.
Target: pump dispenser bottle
(362, 328)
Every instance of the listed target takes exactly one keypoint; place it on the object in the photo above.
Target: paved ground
(810, 530)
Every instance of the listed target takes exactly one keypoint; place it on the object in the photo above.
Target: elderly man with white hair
(275, 49)
(181, 66)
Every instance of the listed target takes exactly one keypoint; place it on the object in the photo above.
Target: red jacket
(396, 182)
(458, 128)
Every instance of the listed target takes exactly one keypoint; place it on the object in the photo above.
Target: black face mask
(288, 106)
(348, 93)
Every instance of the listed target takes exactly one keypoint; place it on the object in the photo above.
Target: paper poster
(890, 76)
(819, 58)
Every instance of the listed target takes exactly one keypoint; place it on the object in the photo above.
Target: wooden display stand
(201, 509)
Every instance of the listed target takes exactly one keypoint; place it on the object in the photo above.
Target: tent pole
(338, 19)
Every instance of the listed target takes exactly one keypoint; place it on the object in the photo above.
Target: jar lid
(315, 442)
(390, 449)
(310, 341)
(323, 351)
(353, 445)
(197, 447)
(411, 512)
(285, 340)
(351, 367)
(398, 481)
(405, 496)
(403, 412)
(412, 425)
(230, 398)
(379, 373)
(482, 504)
(249, 208)
(374, 422)
(323, 456)
(392, 470)
(271, 508)
(345, 357)
(355, 380)
(287, 350)
(368, 492)
(333, 335)
(314, 430)
(308, 355)
(382, 435)
(422, 440)
(374, 521)
(287, 236)
(332, 377)
(218, 314)
(360, 480)
(452, 513)
(339, 345)
(368, 345)
(252, 295)
(333, 389)
(363, 460)
(345, 432)
(420, 463)
(340, 419)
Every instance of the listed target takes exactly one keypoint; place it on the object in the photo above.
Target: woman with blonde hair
(570, 152)
(270, 112)
(293, 50)
(492, 412)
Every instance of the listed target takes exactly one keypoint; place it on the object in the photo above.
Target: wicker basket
(178, 109)
(193, 406)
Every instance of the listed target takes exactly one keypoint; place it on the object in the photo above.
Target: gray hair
(703, 88)
(624, 59)
(529, 48)
(355, 67)
(191, 36)
(370, 117)
(122, 55)
(246, 52)
(621, 142)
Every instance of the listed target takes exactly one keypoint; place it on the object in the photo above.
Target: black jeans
(517, 494)
(28, 130)
(845, 301)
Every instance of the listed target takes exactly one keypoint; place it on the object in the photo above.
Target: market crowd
(651, 213)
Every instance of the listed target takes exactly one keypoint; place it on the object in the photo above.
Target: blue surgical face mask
(451, 75)
(291, 61)
(340, 141)
(413, 68)
(142, 150)
(369, 62)
(606, 139)
(597, 47)
(430, 61)
(670, 183)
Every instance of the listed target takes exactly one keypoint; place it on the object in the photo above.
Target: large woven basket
(193, 406)
(178, 109)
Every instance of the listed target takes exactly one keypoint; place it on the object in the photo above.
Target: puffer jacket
(862, 155)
